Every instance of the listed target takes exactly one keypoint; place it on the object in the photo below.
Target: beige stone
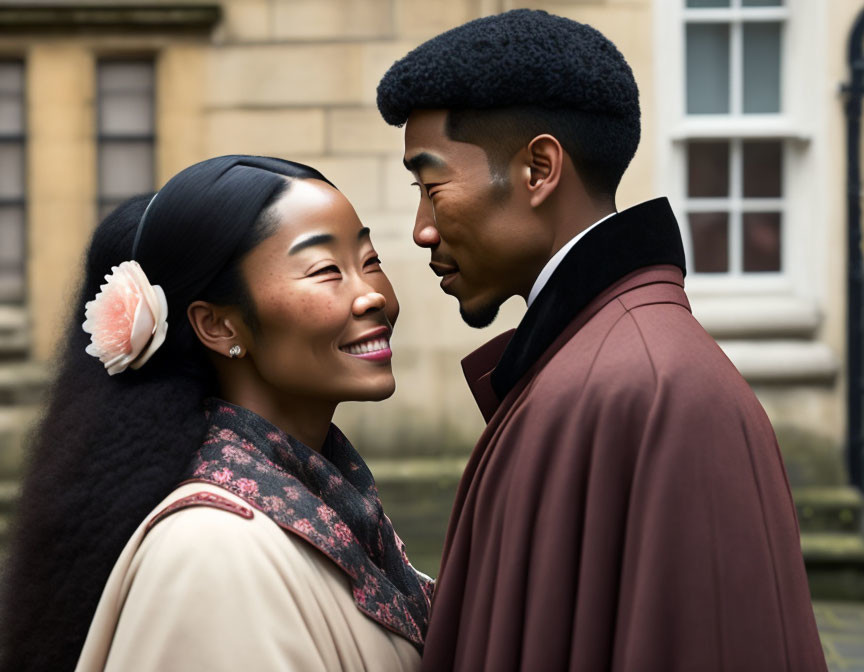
(61, 181)
(332, 19)
(181, 85)
(394, 227)
(281, 75)
(399, 193)
(377, 57)
(420, 19)
(281, 133)
(361, 130)
(358, 177)
(246, 20)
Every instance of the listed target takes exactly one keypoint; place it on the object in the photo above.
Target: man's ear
(545, 162)
(214, 327)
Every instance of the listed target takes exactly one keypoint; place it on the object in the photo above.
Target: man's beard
(481, 317)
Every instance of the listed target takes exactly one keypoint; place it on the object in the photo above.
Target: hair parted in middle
(506, 78)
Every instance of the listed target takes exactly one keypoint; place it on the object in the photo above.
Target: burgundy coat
(627, 507)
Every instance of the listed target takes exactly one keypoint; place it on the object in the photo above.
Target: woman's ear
(546, 158)
(214, 327)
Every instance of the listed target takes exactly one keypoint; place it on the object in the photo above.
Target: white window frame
(801, 245)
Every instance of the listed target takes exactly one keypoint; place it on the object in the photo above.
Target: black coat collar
(644, 235)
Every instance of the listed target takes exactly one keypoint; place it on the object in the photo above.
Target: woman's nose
(366, 302)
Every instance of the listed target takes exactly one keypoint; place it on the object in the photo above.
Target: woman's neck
(306, 420)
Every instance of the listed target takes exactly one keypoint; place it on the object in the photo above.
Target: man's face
(479, 231)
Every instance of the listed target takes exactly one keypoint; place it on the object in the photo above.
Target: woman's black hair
(108, 449)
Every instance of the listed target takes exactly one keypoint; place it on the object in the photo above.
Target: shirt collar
(553, 263)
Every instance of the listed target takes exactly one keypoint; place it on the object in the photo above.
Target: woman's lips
(374, 348)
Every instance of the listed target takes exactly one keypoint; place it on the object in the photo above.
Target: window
(12, 182)
(734, 137)
(125, 130)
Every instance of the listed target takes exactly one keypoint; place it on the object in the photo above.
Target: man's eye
(424, 188)
(326, 270)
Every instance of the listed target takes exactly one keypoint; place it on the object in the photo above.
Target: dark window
(126, 130)
(13, 237)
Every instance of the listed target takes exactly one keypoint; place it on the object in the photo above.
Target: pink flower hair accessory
(127, 321)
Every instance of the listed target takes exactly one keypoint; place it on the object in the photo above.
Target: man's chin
(479, 317)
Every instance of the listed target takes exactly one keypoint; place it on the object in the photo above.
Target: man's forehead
(425, 138)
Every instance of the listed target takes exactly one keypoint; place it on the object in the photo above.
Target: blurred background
(745, 129)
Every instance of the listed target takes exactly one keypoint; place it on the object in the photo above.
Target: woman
(188, 444)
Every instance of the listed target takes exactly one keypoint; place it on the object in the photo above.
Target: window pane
(11, 121)
(11, 237)
(11, 77)
(709, 233)
(708, 169)
(126, 114)
(763, 169)
(11, 286)
(11, 170)
(708, 68)
(125, 76)
(125, 169)
(761, 68)
(762, 3)
(707, 3)
(761, 241)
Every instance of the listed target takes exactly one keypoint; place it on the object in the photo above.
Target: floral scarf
(327, 499)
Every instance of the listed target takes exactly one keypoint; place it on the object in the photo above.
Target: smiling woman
(187, 470)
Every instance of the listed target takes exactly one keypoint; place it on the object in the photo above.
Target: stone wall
(297, 78)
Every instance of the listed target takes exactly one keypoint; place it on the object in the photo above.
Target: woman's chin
(379, 391)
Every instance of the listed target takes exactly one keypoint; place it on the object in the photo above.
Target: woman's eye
(372, 261)
(326, 270)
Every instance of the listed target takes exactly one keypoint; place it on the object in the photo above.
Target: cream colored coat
(207, 589)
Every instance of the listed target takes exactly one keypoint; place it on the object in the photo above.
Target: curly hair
(109, 448)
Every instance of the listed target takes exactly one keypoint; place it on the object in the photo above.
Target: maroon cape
(627, 507)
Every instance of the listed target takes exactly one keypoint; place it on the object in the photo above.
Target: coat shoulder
(629, 353)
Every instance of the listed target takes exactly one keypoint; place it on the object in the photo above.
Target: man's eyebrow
(311, 241)
(423, 160)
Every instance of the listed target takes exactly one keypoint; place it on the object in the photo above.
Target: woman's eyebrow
(364, 233)
(310, 241)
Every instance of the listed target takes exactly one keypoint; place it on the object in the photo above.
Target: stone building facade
(742, 128)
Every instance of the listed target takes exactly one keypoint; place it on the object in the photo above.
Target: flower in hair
(127, 320)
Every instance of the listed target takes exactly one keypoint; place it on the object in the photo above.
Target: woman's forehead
(311, 208)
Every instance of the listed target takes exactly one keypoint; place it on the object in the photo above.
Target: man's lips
(441, 269)
(373, 345)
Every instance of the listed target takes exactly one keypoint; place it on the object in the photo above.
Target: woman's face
(324, 306)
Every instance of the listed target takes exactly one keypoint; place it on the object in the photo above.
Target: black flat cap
(521, 57)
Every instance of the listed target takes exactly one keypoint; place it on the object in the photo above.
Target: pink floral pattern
(328, 499)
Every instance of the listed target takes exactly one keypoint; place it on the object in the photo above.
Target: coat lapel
(644, 235)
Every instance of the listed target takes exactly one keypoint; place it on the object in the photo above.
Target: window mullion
(736, 60)
(736, 237)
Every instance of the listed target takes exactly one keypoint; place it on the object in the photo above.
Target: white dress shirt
(556, 259)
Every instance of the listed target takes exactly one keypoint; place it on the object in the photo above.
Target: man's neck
(560, 251)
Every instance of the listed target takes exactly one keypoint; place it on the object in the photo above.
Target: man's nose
(425, 231)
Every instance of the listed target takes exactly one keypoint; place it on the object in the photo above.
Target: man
(627, 507)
